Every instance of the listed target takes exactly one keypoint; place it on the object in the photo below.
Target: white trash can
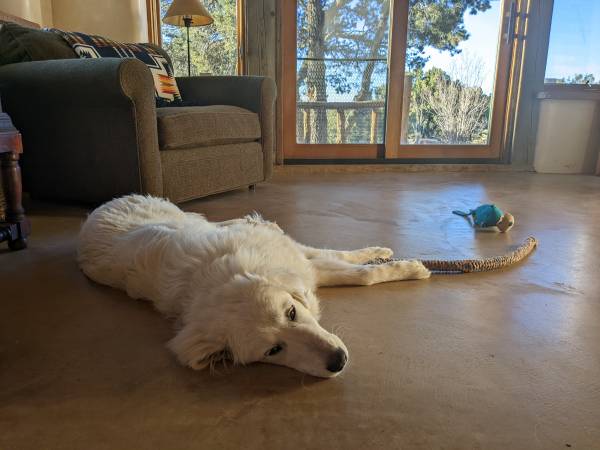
(568, 135)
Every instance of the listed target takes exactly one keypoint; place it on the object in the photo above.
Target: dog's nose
(337, 361)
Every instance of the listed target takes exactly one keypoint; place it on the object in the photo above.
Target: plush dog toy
(486, 216)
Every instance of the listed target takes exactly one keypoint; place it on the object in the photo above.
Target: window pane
(574, 51)
(342, 51)
(213, 48)
(450, 72)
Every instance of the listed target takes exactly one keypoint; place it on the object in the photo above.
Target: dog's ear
(194, 349)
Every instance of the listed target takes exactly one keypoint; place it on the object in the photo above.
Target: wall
(38, 11)
(122, 20)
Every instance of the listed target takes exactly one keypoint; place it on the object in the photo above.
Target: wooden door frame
(287, 94)
(392, 150)
(155, 36)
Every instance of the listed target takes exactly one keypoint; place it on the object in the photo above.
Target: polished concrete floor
(503, 360)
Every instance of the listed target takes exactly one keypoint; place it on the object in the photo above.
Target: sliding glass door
(388, 79)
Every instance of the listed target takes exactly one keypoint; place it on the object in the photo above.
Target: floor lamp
(187, 13)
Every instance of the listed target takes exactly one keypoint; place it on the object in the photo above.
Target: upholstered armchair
(91, 130)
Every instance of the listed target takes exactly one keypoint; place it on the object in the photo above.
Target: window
(341, 81)
(213, 48)
(574, 49)
(382, 79)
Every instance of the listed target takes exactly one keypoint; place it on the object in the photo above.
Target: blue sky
(574, 39)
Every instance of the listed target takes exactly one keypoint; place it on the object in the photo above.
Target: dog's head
(254, 319)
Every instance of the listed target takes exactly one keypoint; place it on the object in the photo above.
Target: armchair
(92, 132)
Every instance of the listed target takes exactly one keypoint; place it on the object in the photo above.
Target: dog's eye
(274, 350)
(292, 313)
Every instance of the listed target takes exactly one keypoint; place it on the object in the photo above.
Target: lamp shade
(187, 9)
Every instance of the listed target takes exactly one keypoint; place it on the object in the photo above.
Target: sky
(574, 39)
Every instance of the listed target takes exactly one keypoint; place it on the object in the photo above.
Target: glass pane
(574, 51)
(450, 71)
(342, 51)
(213, 47)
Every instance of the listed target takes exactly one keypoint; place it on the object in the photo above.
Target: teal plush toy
(486, 216)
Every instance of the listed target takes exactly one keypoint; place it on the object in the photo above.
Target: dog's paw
(410, 270)
(419, 271)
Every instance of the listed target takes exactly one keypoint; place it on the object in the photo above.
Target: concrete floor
(503, 360)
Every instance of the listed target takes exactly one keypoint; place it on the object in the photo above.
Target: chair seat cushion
(198, 126)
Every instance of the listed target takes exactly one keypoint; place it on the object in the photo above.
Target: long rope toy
(473, 265)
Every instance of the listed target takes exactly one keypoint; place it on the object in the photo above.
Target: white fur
(232, 284)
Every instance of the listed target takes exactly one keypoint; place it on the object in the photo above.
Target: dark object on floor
(14, 226)
(474, 265)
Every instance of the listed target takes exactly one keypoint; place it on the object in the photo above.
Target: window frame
(392, 150)
(564, 90)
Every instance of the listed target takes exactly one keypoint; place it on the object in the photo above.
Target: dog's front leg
(332, 272)
(359, 256)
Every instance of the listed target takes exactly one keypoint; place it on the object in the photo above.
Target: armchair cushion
(22, 44)
(199, 126)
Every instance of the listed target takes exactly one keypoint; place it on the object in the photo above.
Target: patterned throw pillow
(88, 46)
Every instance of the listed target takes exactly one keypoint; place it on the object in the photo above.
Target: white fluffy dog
(242, 289)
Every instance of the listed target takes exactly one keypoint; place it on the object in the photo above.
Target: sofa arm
(256, 94)
(88, 126)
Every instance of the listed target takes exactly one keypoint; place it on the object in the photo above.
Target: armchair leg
(252, 187)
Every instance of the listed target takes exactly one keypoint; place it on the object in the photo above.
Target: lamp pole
(188, 22)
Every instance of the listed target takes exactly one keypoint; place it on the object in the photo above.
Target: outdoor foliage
(578, 78)
(450, 107)
(213, 47)
(343, 46)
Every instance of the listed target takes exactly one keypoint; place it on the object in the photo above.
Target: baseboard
(400, 168)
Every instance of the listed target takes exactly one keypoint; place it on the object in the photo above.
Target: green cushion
(21, 44)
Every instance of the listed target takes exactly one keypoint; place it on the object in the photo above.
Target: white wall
(122, 20)
(38, 11)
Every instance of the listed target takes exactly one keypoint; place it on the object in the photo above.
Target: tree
(421, 120)
(438, 24)
(581, 78)
(457, 105)
(345, 30)
(213, 48)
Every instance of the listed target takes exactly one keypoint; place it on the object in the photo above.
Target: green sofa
(91, 130)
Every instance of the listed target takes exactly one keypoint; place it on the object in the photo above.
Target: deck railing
(305, 125)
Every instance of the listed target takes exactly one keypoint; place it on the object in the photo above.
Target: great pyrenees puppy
(242, 290)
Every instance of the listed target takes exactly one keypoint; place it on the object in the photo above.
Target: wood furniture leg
(16, 227)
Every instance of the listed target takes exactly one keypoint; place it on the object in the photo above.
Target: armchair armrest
(88, 126)
(256, 94)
